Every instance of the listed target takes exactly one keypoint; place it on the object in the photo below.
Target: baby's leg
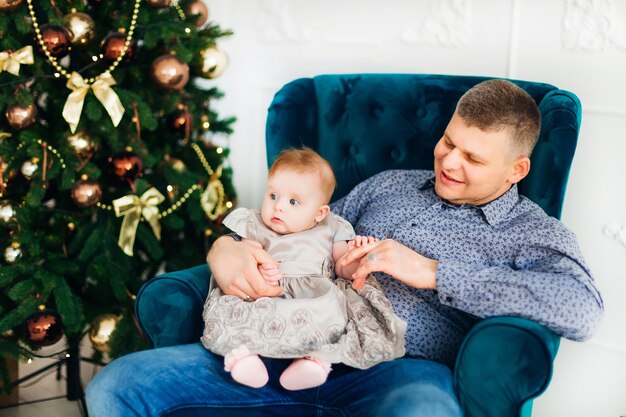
(305, 373)
(246, 367)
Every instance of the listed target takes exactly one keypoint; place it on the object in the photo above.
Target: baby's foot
(305, 373)
(246, 367)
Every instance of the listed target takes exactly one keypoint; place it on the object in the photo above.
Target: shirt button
(413, 224)
(448, 299)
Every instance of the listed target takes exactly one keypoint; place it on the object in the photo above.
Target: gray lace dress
(318, 315)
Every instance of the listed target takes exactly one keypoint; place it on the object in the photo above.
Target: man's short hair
(306, 160)
(494, 105)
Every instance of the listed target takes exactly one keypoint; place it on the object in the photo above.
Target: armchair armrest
(169, 306)
(503, 363)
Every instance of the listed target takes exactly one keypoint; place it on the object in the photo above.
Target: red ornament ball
(56, 39)
(43, 328)
(113, 45)
(126, 166)
(179, 120)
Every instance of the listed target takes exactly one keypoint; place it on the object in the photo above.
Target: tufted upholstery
(366, 123)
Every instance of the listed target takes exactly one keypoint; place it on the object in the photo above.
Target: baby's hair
(306, 160)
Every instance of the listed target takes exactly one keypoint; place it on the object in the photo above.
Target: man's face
(473, 166)
(293, 201)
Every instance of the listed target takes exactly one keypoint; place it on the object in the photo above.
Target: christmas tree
(113, 164)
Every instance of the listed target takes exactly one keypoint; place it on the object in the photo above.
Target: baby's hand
(271, 273)
(359, 241)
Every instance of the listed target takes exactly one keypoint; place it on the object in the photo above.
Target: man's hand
(235, 268)
(394, 259)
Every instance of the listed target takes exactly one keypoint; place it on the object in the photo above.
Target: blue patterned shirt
(506, 257)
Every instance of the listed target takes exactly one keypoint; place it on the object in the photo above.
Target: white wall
(578, 45)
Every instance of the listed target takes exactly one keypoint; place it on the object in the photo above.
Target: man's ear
(521, 167)
(322, 212)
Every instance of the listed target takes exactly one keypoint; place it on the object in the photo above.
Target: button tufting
(353, 150)
(421, 112)
(395, 153)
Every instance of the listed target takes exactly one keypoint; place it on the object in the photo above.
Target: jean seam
(320, 407)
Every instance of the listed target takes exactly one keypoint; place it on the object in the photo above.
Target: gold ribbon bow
(133, 208)
(103, 92)
(10, 62)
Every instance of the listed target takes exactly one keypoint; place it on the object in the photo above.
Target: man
(454, 246)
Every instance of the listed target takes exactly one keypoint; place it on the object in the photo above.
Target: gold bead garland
(180, 11)
(164, 213)
(50, 148)
(54, 62)
(212, 199)
(220, 207)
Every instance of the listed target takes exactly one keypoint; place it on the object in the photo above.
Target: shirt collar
(495, 211)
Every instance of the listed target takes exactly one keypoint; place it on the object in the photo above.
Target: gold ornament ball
(101, 330)
(81, 143)
(170, 72)
(213, 62)
(199, 8)
(21, 117)
(9, 5)
(12, 253)
(81, 26)
(86, 193)
(7, 212)
(159, 4)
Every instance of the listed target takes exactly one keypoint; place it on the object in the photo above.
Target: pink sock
(246, 367)
(305, 373)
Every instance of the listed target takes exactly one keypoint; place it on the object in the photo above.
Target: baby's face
(292, 201)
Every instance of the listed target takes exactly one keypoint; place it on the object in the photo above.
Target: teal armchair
(367, 123)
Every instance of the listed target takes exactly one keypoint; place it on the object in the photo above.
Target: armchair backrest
(366, 123)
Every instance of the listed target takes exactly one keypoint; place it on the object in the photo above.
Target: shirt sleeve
(547, 282)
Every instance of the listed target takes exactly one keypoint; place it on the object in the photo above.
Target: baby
(319, 319)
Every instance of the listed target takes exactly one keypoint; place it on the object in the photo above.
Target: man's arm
(235, 268)
(548, 283)
(551, 287)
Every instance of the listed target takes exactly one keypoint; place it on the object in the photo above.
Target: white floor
(45, 395)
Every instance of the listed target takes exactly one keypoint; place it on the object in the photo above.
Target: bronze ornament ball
(113, 45)
(56, 39)
(9, 5)
(81, 27)
(86, 193)
(21, 117)
(43, 328)
(170, 72)
(126, 166)
(199, 8)
(213, 62)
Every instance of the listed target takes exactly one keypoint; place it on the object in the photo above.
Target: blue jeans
(189, 381)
